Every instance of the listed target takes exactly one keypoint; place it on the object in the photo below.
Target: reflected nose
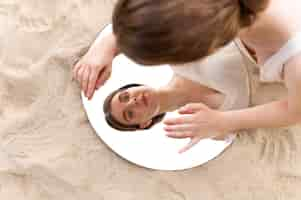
(134, 101)
(137, 100)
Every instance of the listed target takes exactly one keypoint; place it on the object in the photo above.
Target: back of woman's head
(179, 31)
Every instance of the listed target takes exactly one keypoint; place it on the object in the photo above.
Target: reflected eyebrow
(124, 116)
(121, 93)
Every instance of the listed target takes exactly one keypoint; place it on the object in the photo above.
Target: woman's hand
(197, 121)
(95, 67)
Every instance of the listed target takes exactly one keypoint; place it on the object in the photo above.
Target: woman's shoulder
(286, 14)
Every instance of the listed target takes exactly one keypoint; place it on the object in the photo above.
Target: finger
(192, 142)
(76, 65)
(179, 120)
(103, 77)
(179, 135)
(91, 84)
(79, 76)
(108, 75)
(184, 111)
(192, 108)
(76, 72)
(98, 82)
(180, 128)
(85, 79)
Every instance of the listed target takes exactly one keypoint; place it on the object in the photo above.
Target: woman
(138, 107)
(190, 30)
(219, 81)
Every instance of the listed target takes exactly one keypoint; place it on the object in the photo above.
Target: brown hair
(179, 31)
(116, 124)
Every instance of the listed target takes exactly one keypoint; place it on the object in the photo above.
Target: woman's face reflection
(135, 105)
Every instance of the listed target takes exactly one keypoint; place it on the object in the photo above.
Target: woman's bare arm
(275, 114)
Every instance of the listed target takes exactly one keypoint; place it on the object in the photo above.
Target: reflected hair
(107, 109)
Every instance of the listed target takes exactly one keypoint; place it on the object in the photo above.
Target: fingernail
(183, 110)
(167, 129)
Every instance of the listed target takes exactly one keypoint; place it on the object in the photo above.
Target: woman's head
(179, 31)
(132, 107)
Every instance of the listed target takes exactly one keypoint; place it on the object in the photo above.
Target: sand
(48, 149)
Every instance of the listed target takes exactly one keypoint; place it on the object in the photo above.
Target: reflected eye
(124, 97)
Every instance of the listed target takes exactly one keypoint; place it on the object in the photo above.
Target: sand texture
(48, 149)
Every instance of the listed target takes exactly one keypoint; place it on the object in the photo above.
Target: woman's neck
(266, 36)
(171, 99)
(181, 92)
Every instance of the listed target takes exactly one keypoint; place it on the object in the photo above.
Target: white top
(225, 71)
(272, 69)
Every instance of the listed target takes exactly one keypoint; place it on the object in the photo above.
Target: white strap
(273, 67)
